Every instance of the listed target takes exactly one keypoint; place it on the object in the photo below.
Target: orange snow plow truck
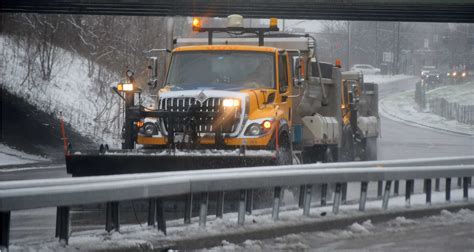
(240, 101)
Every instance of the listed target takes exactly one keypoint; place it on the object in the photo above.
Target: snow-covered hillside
(83, 96)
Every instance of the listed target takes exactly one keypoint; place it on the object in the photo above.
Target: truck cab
(235, 95)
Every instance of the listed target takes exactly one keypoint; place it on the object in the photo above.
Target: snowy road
(400, 140)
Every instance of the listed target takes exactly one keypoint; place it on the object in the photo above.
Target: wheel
(285, 155)
(370, 150)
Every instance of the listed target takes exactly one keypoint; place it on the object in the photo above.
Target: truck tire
(370, 149)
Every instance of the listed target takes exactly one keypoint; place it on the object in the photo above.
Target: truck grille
(206, 123)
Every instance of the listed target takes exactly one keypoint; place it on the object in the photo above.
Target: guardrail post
(379, 189)
(151, 212)
(465, 188)
(63, 226)
(301, 196)
(220, 205)
(428, 191)
(343, 193)
(249, 204)
(5, 230)
(324, 192)
(188, 208)
(386, 194)
(58, 221)
(242, 201)
(459, 182)
(395, 188)
(408, 185)
(363, 195)
(448, 189)
(203, 209)
(112, 216)
(337, 198)
(307, 200)
(276, 203)
(437, 184)
(160, 215)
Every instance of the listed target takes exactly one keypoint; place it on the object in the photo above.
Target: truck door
(284, 85)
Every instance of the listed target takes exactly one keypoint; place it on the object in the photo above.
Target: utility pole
(348, 45)
(376, 44)
(397, 59)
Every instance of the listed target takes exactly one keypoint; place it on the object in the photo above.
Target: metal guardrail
(63, 193)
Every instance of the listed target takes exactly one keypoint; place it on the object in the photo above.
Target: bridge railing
(66, 192)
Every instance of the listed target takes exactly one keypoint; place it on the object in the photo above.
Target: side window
(283, 73)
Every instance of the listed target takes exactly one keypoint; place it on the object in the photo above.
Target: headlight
(454, 73)
(125, 87)
(150, 129)
(257, 129)
(231, 103)
(463, 74)
(254, 130)
(448, 74)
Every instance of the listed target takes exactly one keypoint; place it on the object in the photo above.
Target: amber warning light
(273, 23)
(197, 24)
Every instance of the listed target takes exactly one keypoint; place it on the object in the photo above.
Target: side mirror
(298, 78)
(153, 73)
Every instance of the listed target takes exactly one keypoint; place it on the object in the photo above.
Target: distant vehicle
(365, 69)
(433, 78)
(425, 70)
(459, 74)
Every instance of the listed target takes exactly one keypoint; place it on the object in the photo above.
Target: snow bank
(402, 107)
(385, 79)
(9, 156)
(462, 94)
(86, 102)
(336, 239)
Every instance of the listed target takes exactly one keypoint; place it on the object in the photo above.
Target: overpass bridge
(364, 10)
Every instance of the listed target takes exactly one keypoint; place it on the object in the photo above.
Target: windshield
(223, 70)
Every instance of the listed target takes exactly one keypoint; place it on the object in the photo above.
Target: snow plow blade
(94, 163)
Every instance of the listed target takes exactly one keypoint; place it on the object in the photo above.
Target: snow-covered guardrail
(63, 193)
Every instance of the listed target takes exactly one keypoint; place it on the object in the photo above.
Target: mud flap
(125, 162)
